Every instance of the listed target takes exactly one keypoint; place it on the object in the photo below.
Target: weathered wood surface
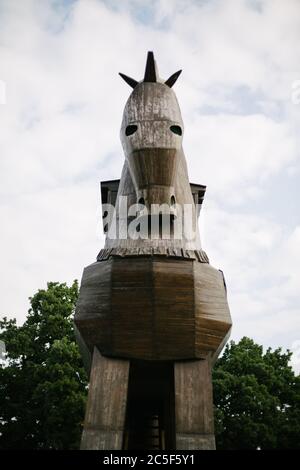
(93, 309)
(154, 299)
(194, 405)
(153, 308)
(212, 315)
(155, 169)
(147, 298)
(106, 406)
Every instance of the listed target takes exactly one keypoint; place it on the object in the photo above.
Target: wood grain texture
(106, 406)
(212, 315)
(153, 308)
(194, 405)
(151, 298)
(155, 168)
(93, 309)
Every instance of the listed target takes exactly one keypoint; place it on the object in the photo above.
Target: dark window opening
(104, 194)
(176, 130)
(131, 129)
(105, 225)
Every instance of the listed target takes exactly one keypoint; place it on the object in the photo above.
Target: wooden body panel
(92, 317)
(131, 303)
(153, 308)
(174, 308)
(212, 316)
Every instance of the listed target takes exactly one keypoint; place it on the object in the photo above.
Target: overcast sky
(60, 114)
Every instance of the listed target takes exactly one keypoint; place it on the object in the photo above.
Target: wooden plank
(212, 315)
(106, 405)
(194, 405)
(132, 308)
(173, 308)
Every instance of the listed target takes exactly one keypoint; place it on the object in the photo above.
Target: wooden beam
(194, 405)
(106, 405)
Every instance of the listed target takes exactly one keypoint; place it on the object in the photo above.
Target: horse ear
(151, 74)
(131, 82)
(171, 80)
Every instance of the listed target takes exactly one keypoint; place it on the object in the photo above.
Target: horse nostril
(176, 130)
(130, 129)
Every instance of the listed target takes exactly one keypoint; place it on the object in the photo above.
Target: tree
(43, 386)
(257, 398)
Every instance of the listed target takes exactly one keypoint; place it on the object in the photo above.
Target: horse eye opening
(130, 129)
(176, 130)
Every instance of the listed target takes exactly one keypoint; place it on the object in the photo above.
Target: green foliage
(257, 398)
(43, 386)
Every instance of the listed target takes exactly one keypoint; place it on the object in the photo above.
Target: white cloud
(235, 152)
(60, 136)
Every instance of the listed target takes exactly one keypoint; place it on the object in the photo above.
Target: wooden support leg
(194, 405)
(106, 405)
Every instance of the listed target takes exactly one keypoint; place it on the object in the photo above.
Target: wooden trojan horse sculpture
(152, 314)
